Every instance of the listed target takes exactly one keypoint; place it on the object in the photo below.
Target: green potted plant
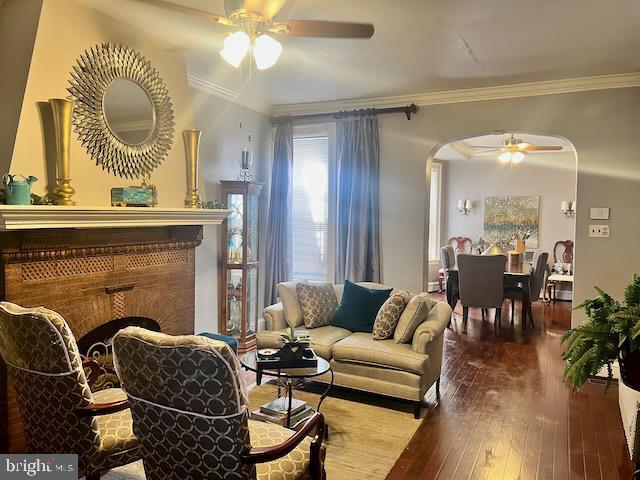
(611, 332)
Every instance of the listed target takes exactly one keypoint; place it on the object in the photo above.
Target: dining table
(514, 274)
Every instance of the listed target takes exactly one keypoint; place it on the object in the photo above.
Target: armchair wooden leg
(438, 388)
(440, 283)
(465, 318)
(482, 314)
(497, 320)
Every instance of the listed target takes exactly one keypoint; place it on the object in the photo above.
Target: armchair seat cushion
(362, 348)
(556, 277)
(118, 444)
(294, 466)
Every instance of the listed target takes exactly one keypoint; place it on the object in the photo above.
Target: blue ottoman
(231, 341)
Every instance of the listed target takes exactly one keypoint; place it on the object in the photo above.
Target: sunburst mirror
(123, 114)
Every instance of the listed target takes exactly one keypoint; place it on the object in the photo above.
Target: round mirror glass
(129, 112)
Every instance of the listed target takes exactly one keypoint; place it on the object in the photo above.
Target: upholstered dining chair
(60, 413)
(448, 260)
(515, 292)
(191, 415)
(461, 244)
(481, 284)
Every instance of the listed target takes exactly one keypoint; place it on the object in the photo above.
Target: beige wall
(601, 124)
(66, 30)
(18, 26)
(220, 152)
(552, 176)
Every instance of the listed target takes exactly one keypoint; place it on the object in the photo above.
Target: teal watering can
(18, 188)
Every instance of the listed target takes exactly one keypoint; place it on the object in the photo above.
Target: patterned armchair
(60, 413)
(190, 414)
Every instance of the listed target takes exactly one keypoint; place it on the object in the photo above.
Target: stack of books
(276, 411)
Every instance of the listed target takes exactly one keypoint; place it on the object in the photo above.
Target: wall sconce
(464, 207)
(568, 208)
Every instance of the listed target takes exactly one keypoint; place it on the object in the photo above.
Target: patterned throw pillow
(389, 314)
(318, 303)
(414, 314)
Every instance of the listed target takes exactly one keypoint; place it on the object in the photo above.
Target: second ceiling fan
(513, 149)
(255, 25)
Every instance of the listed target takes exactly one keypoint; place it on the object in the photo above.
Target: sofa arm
(432, 328)
(274, 317)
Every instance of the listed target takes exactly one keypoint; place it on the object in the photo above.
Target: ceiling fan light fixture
(236, 46)
(266, 51)
(517, 157)
(505, 157)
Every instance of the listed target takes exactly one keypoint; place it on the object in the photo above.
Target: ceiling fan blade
(196, 43)
(265, 8)
(543, 147)
(321, 28)
(189, 11)
(493, 147)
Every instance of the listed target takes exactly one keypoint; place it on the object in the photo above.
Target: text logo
(39, 466)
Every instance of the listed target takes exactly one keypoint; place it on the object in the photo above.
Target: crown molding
(230, 95)
(550, 87)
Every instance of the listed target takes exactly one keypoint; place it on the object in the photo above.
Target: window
(310, 208)
(435, 200)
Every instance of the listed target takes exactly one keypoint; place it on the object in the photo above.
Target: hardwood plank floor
(504, 412)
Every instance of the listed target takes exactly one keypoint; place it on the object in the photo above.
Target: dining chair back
(541, 266)
(461, 244)
(481, 283)
(448, 257)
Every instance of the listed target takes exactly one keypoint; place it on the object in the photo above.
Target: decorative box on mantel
(95, 265)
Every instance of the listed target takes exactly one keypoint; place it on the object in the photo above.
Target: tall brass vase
(62, 110)
(191, 146)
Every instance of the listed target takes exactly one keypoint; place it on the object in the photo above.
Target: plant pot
(293, 350)
(629, 367)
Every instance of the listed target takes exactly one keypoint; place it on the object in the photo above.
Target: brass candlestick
(62, 110)
(191, 146)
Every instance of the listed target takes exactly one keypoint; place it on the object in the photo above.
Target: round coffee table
(289, 377)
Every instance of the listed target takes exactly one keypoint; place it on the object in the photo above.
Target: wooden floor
(504, 412)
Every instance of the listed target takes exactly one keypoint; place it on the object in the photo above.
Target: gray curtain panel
(358, 211)
(278, 249)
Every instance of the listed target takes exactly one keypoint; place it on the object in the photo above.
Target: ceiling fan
(513, 149)
(254, 25)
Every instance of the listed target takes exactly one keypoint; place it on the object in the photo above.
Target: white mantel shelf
(31, 217)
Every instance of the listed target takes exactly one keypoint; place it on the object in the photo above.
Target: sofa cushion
(389, 314)
(318, 303)
(414, 314)
(358, 308)
(322, 338)
(362, 348)
(289, 298)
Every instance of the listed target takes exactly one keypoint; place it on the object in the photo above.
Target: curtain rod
(407, 110)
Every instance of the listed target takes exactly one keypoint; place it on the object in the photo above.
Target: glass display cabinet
(239, 272)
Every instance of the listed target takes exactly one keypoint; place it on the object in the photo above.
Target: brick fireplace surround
(92, 276)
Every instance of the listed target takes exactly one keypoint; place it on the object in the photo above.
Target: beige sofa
(403, 371)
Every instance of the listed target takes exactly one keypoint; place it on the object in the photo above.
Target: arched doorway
(466, 175)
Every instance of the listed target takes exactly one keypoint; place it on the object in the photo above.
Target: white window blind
(310, 199)
(435, 197)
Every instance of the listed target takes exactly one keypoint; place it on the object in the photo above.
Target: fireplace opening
(96, 347)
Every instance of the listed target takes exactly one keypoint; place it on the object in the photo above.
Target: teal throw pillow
(359, 307)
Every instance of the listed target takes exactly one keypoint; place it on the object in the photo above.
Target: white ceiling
(468, 149)
(419, 46)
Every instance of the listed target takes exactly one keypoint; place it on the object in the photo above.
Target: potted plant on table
(611, 333)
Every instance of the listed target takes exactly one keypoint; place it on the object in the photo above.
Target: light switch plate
(599, 231)
(599, 213)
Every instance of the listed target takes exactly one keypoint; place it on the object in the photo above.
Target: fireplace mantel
(30, 217)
